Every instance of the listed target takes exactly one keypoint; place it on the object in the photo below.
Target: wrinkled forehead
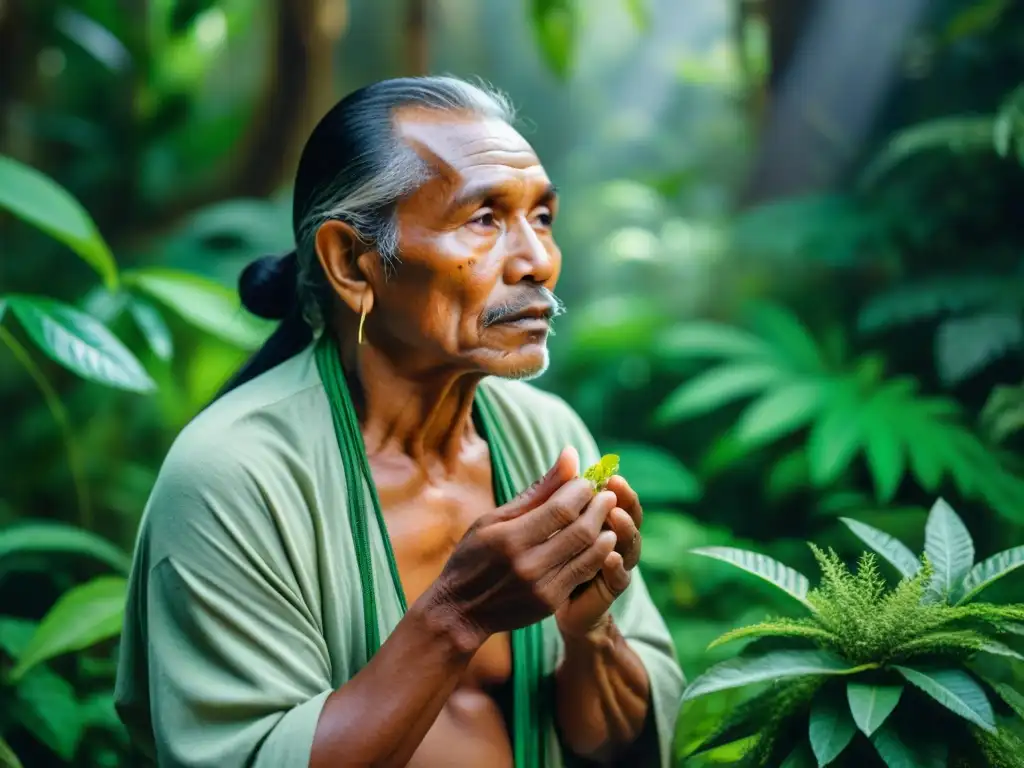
(468, 149)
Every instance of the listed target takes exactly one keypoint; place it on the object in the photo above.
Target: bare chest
(426, 519)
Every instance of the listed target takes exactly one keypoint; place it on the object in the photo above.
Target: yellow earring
(362, 320)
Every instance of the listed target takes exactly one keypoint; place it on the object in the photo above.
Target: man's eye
(545, 219)
(483, 219)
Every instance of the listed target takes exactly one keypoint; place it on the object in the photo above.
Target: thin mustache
(554, 305)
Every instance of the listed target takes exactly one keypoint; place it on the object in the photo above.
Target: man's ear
(346, 261)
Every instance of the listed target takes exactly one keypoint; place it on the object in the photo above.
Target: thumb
(565, 468)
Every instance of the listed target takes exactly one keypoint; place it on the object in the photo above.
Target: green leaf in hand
(601, 472)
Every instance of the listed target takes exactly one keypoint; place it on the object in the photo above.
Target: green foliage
(841, 410)
(882, 639)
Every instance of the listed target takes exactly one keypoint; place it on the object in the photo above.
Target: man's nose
(529, 258)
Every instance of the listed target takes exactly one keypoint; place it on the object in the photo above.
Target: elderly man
(376, 548)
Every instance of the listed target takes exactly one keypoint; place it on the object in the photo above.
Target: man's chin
(526, 365)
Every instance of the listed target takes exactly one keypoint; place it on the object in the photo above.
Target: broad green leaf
(780, 327)
(989, 571)
(80, 343)
(899, 753)
(894, 551)
(3, 307)
(555, 25)
(924, 454)
(778, 413)
(870, 705)
(703, 339)
(47, 707)
(800, 757)
(883, 448)
(831, 728)
(835, 436)
(949, 547)
(764, 567)
(779, 665)
(7, 757)
(203, 303)
(15, 634)
(956, 690)
(715, 388)
(1013, 698)
(657, 476)
(58, 538)
(40, 201)
(996, 648)
(81, 617)
(153, 327)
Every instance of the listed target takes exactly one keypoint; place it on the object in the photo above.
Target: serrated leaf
(702, 339)
(81, 617)
(40, 201)
(780, 665)
(778, 413)
(153, 327)
(949, 548)
(898, 753)
(783, 329)
(7, 757)
(80, 343)
(656, 475)
(835, 437)
(954, 133)
(831, 728)
(956, 690)
(871, 705)
(996, 648)
(989, 571)
(203, 303)
(58, 538)
(782, 576)
(894, 551)
(883, 448)
(717, 387)
(47, 707)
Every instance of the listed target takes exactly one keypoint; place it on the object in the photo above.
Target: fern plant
(895, 665)
(844, 409)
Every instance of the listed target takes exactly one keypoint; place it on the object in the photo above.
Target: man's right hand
(516, 565)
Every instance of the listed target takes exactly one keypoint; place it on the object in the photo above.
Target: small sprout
(601, 472)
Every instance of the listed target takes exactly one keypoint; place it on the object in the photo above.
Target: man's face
(478, 260)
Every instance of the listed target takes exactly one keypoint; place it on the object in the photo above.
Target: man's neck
(426, 413)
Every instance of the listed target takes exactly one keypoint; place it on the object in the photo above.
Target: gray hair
(355, 169)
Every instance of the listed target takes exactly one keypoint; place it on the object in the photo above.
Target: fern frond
(1000, 617)
(953, 642)
(795, 628)
(1002, 749)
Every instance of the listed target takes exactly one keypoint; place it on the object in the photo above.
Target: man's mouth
(528, 316)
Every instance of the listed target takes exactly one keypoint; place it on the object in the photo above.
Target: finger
(558, 512)
(597, 598)
(565, 468)
(569, 542)
(627, 535)
(585, 565)
(615, 574)
(628, 498)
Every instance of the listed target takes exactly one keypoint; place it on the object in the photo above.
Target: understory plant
(919, 674)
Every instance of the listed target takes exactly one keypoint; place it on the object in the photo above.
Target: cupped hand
(587, 608)
(518, 564)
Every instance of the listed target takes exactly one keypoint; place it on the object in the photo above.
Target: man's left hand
(585, 612)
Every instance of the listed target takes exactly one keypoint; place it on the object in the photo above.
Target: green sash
(527, 643)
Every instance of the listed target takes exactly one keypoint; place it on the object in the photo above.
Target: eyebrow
(477, 194)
